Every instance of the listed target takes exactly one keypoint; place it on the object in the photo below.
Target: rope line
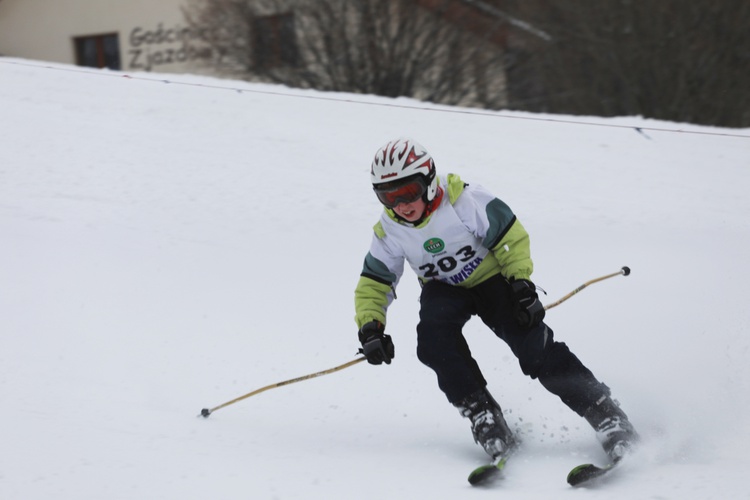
(465, 111)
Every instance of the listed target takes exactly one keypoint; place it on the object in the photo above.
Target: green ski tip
(487, 473)
(587, 474)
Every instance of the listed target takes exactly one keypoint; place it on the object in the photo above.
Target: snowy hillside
(171, 246)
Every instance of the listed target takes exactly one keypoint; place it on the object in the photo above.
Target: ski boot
(613, 429)
(488, 424)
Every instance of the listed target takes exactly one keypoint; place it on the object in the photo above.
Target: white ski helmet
(398, 163)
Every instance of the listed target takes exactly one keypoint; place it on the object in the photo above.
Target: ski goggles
(392, 194)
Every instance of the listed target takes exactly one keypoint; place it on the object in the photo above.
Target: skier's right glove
(376, 345)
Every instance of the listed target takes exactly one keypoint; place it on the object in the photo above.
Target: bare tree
(669, 59)
(436, 50)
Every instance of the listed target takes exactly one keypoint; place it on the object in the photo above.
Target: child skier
(472, 257)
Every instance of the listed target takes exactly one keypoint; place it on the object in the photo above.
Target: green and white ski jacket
(469, 237)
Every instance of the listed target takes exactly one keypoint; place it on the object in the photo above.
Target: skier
(471, 255)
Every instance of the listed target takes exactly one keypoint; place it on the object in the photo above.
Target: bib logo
(434, 245)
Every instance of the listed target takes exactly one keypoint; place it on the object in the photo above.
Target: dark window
(275, 41)
(100, 51)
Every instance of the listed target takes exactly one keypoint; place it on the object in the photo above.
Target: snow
(168, 247)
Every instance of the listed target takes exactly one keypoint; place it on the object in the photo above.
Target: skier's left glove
(528, 310)
(376, 345)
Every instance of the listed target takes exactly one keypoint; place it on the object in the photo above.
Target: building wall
(152, 34)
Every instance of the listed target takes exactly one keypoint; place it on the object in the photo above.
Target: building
(132, 35)
(275, 37)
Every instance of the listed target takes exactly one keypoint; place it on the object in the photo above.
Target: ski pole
(205, 412)
(624, 271)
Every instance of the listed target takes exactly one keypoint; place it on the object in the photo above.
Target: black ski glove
(376, 345)
(528, 309)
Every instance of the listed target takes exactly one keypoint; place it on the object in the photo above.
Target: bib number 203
(448, 263)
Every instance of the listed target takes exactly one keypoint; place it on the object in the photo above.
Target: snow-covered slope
(169, 247)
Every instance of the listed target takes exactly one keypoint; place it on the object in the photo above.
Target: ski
(589, 474)
(488, 473)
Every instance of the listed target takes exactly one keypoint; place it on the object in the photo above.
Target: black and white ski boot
(488, 425)
(613, 429)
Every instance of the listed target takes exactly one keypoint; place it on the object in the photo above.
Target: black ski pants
(444, 311)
